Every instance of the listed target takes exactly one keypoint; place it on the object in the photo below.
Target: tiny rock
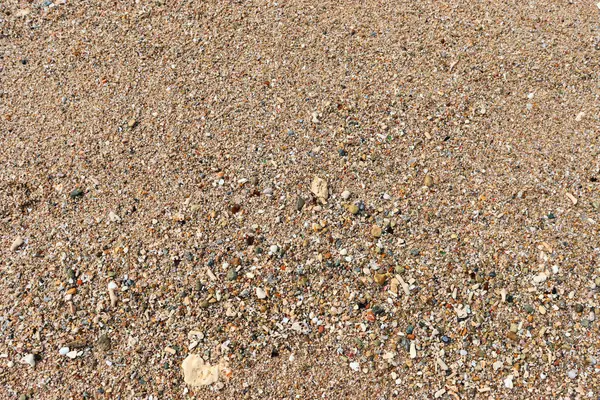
(345, 195)
(197, 373)
(428, 181)
(18, 242)
(320, 189)
(103, 343)
(380, 278)
(260, 293)
(29, 359)
(376, 231)
(114, 217)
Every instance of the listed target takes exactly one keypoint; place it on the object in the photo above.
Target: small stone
(29, 359)
(103, 343)
(345, 195)
(572, 198)
(63, 351)
(529, 309)
(380, 278)
(78, 192)
(320, 189)
(579, 308)
(197, 373)
(72, 354)
(254, 180)
(18, 242)
(572, 374)
(274, 249)
(413, 350)
(353, 209)
(132, 123)
(70, 273)
(355, 366)
(512, 336)
(232, 274)
(300, 204)
(114, 217)
(508, 382)
(72, 291)
(376, 231)
(428, 181)
(260, 293)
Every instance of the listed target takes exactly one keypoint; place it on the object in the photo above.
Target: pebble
(353, 209)
(63, 351)
(380, 279)
(29, 359)
(320, 189)
(114, 217)
(508, 382)
(572, 374)
(376, 231)
(428, 181)
(260, 293)
(111, 293)
(345, 195)
(103, 343)
(300, 204)
(197, 373)
(18, 242)
(78, 192)
(355, 366)
(413, 350)
(72, 354)
(232, 274)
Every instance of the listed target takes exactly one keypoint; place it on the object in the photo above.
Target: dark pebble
(76, 193)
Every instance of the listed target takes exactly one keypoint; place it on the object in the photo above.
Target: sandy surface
(160, 148)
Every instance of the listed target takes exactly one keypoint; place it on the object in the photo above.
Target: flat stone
(197, 373)
(320, 189)
(103, 343)
(18, 242)
(376, 231)
(300, 203)
(260, 293)
(428, 181)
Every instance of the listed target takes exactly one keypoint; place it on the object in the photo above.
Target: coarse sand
(304, 199)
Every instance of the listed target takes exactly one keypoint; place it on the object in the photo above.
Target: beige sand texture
(158, 198)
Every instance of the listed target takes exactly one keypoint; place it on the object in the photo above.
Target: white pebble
(572, 374)
(72, 354)
(274, 248)
(29, 359)
(17, 243)
(355, 366)
(63, 351)
(508, 382)
(260, 293)
(345, 195)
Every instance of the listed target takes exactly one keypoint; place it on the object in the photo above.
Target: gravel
(339, 199)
